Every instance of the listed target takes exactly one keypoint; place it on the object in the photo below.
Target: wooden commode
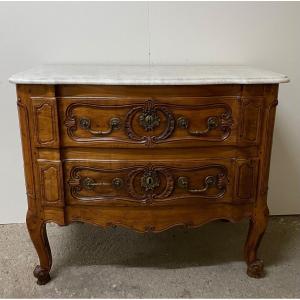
(147, 148)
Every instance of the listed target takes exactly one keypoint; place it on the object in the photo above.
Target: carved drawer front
(144, 183)
(168, 122)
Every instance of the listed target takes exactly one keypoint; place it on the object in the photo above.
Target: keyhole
(149, 180)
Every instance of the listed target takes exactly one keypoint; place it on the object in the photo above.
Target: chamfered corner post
(259, 218)
(36, 223)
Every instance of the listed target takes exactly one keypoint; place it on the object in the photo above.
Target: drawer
(162, 122)
(160, 183)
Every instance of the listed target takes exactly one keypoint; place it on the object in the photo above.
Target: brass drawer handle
(90, 184)
(212, 123)
(209, 181)
(114, 124)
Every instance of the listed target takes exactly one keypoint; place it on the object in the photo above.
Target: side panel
(246, 179)
(40, 132)
(45, 122)
(51, 184)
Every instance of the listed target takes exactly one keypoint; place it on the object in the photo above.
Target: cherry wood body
(146, 157)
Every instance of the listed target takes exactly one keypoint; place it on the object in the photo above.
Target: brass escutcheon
(150, 180)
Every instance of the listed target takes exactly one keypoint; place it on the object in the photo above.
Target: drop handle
(90, 184)
(212, 123)
(114, 124)
(209, 181)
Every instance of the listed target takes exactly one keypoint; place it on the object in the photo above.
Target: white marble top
(146, 75)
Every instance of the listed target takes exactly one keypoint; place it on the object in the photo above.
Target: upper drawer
(164, 122)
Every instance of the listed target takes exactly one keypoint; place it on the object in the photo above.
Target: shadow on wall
(284, 178)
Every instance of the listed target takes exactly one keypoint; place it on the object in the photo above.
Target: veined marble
(146, 75)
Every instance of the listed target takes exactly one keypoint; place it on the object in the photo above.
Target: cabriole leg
(257, 227)
(38, 235)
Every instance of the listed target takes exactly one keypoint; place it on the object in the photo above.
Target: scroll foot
(42, 275)
(257, 228)
(38, 233)
(256, 269)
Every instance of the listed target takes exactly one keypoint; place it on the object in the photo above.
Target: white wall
(259, 34)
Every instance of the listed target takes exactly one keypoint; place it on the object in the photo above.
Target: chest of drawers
(147, 148)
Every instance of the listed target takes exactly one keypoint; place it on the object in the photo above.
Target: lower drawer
(132, 183)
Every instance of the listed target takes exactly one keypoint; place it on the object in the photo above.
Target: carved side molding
(251, 120)
(26, 147)
(51, 185)
(267, 146)
(45, 122)
(246, 177)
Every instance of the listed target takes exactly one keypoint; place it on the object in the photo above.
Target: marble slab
(146, 75)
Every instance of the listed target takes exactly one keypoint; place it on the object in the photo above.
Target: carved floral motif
(149, 120)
